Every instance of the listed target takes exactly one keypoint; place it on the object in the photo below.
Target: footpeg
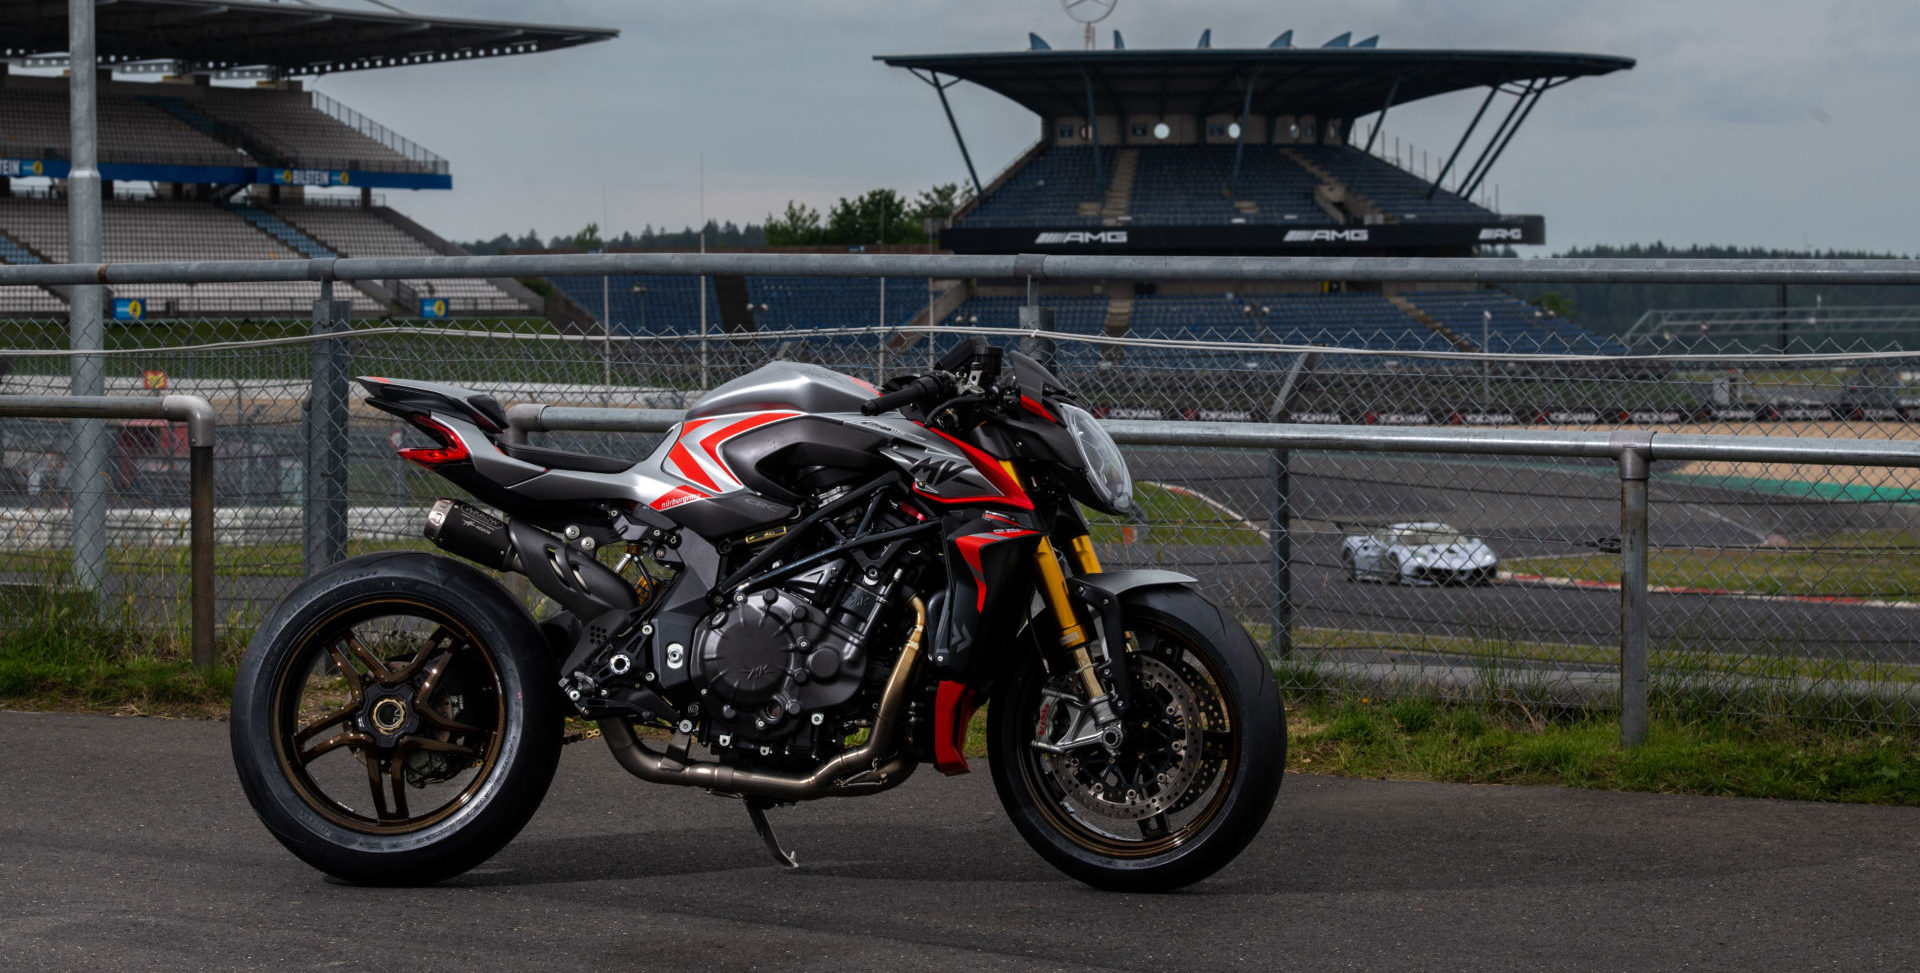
(757, 810)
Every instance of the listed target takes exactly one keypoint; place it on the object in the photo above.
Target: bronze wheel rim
(388, 717)
(1137, 823)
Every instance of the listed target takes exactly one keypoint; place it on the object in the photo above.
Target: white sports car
(1418, 553)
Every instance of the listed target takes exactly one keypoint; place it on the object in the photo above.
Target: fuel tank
(750, 452)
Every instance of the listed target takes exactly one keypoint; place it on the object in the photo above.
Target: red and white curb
(1588, 584)
(1228, 512)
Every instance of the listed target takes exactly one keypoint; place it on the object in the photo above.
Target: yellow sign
(156, 378)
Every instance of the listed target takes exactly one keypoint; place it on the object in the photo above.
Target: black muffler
(573, 578)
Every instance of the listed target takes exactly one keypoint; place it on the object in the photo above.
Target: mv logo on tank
(935, 470)
(1082, 236)
(1326, 236)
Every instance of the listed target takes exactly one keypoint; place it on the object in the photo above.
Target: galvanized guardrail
(1038, 267)
(1632, 451)
(198, 416)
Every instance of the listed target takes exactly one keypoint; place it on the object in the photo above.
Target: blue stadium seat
(1504, 323)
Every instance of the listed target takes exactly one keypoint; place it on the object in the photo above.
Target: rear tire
(1211, 736)
(395, 721)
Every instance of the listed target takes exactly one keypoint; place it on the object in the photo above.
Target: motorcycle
(814, 585)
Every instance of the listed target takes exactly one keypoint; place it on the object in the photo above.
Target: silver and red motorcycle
(805, 591)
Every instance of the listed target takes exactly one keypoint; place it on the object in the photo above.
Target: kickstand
(757, 810)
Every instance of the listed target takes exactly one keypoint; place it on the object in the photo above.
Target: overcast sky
(1754, 122)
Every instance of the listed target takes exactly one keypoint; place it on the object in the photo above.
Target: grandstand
(1258, 151)
(195, 170)
(1194, 151)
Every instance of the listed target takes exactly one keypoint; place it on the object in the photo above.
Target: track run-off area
(125, 844)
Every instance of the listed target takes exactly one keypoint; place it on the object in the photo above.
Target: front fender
(1114, 584)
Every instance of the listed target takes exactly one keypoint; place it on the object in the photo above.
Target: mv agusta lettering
(805, 591)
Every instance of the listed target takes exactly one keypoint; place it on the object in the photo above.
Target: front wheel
(394, 720)
(1195, 777)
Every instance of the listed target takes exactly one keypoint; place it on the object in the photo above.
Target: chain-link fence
(1774, 588)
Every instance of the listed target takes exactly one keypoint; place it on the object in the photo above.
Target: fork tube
(1084, 556)
(1074, 634)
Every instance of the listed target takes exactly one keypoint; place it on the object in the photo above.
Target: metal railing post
(1633, 452)
(198, 415)
(324, 527)
(1280, 556)
(1280, 519)
(87, 471)
(200, 432)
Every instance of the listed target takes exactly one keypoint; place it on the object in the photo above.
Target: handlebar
(926, 387)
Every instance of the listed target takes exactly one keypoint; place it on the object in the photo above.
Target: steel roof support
(1392, 91)
(1240, 143)
(1464, 136)
(1093, 128)
(1538, 90)
(933, 78)
(1487, 154)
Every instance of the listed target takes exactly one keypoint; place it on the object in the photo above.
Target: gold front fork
(1075, 633)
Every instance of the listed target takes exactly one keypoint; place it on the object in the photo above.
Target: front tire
(395, 721)
(1192, 783)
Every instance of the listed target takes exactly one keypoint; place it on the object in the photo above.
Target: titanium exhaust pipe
(868, 768)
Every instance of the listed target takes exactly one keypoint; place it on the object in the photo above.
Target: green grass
(229, 560)
(56, 653)
(1425, 739)
(1853, 572)
(1163, 518)
(1680, 657)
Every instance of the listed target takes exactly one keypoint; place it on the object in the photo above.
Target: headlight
(1100, 457)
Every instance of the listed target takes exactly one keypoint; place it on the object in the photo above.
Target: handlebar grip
(924, 387)
(892, 400)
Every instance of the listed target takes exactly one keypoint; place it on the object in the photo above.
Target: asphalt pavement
(125, 844)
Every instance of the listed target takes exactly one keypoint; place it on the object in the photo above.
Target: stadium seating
(354, 232)
(25, 300)
(1192, 185)
(1334, 320)
(782, 303)
(178, 124)
(1084, 314)
(667, 305)
(34, 125)
(1401, 195)
(1048, 190)
(155, 231)
(290, 122)
(1505, 323)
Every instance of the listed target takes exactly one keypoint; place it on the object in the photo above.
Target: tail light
(450, 450)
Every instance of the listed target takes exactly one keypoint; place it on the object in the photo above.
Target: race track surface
(125, 844)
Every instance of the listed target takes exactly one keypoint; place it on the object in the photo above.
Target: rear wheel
(1195, 777)
(394, 722)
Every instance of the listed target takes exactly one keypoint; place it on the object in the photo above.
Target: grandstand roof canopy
(1330, 83)
(279, 38)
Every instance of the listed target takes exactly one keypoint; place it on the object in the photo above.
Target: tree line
(875, 217)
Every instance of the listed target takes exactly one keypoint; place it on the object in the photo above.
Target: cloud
(1713, 136)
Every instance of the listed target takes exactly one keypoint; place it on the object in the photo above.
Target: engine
(779, 660)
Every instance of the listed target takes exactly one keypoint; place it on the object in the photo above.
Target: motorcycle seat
(560, 459)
